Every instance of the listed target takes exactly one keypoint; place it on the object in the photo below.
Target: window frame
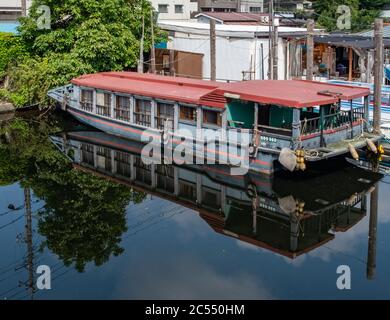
(209, 124)
(82, 100)
(190, 121)
(122, 110)
(181, 8)
(106, 106)
(137, 113)
(165, 5)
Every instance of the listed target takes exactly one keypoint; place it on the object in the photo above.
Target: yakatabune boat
(294, 122)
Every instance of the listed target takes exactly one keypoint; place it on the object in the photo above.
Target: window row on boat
(119, 107)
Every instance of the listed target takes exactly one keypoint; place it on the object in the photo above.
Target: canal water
(110, 227)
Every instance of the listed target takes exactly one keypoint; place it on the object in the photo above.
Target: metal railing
(164, 123)
(337, 120)
(142, 119)
(103, 110)
(122, 114)
(86, 105)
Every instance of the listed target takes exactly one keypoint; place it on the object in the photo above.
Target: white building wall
(386, 13)
(188, 7)
(14, 3)
(247, 4)
(233, 55)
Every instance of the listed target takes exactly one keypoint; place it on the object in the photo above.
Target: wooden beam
(350, 61)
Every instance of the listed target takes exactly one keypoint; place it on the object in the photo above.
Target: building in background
(11, 10)
(233, 18)
(241, 50)
(175, 9)
(386, 11)
(255, 6)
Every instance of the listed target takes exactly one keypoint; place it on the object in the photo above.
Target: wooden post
(141, 49)
(371, 255)
(172, 70)
(378, 74)
(275, 49)
(350, 62)
(213, 66)
(153, 113)
(153, 50)
(132, 109)
(369, 66)
(296, 127)
(112, 107)
(310, 50)
(322, 142)
(270, 41)
(24, 8)
(351, 118)
(366, 112)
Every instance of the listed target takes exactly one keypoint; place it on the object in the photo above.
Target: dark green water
(108, 233)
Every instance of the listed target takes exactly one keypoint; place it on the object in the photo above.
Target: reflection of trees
(84, 215)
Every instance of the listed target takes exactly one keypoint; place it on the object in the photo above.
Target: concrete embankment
(6, 107)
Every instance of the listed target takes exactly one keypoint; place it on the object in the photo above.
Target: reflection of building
(277, 214)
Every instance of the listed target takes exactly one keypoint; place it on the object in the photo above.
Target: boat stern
(62, 95)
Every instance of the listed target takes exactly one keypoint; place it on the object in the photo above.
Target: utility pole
(141, 49)
(270, 41)
(24, 8)
(213, 60)
(310, 50)
(378, 74)
(28, 239)
(153, 51)
(372, 231)
(275, 49)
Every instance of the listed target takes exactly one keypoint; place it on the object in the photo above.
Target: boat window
(165, 114)
(87, 156)
(103, 104)
(187, 113)
(142, 171)
(122, 108)
(86, 102)
(187, 191)
(212, 117)
(142, 112)
(122, 164)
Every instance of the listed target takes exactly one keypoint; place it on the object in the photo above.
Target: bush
(11, 51)
(32, 78)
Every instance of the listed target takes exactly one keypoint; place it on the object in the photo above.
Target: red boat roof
(286, 93)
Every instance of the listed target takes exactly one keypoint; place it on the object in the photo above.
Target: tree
(85, 36)
(363, 13)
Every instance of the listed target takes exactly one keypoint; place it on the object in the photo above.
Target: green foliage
(86, 36)
(11, 50)
(30, 80)
(363, 13)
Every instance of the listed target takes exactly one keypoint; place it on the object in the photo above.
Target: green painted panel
(280, 117)
(241, 111)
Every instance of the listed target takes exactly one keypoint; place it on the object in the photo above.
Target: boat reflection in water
(286, 214)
